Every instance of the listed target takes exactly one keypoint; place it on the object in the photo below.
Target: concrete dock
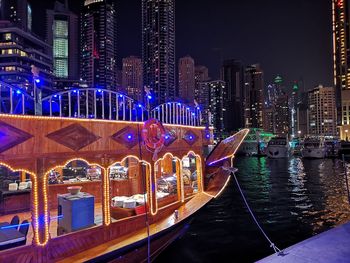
(330, 246)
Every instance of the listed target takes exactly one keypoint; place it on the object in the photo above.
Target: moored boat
(278, 147)
(119, 187)
(332, 147)
(313, 148)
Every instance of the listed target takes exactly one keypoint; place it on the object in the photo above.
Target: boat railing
(94, 103)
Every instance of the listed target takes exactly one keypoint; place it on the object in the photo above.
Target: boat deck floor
(330, 246)
(193, 205)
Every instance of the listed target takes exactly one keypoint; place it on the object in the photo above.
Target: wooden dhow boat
(97, 177)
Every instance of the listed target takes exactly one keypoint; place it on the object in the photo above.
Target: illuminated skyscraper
(187, 79)
(217, 95)
(158, 48)
(341, 47)
(18, 12)
(201, 74)
(321, 111)
(132, 77)
(99, 44)
(19, 51)
(232, 73)
(62, 34)
(254, 97)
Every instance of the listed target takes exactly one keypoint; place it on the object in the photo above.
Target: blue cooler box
(75, 212)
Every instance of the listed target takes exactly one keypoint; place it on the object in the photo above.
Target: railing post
(116, 106)
(60, 102)
(78, 101)
(69, 105)
(103, 104)
(110, 104)
(50, 102)
(95, 106)
(23, 105)
(87, 103)
(11, 102)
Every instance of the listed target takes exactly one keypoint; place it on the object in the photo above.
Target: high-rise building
(158, 48)
(341, 55)
(232, 73)
(18, 12)
(132, 77)
(322, 111)
(254, 97)
(62, 33)
(217, 95)
(99, 44)
(203, 99)
(201, 74)
(19, 51)
(281, 110)
(187, 79)
(293, 104)
(302, 115)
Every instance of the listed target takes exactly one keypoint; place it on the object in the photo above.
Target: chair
(24, 227)
(15, 221)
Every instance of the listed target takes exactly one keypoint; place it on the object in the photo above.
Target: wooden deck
(185, 211)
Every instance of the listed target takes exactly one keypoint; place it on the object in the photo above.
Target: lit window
(8, 36)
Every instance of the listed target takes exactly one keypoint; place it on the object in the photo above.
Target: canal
(293, 199)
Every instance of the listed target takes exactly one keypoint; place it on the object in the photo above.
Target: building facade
(62, 33)
(282, 114)
(19, 51)
(217, 95)
(254, 97)
(232, 73)
(18, 12)
(201, 74)
(132, 77)
(158, 48)
(99, 44)
(187, 82)
(341, 55)
(302, 116)
(322, 111)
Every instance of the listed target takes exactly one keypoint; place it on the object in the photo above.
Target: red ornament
(153, 134)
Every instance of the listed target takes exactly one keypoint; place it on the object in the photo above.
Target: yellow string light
(46, 175)
(35, 217)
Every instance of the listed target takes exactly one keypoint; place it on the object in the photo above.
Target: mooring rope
(275, 248)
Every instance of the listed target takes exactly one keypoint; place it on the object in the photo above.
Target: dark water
(293, 199)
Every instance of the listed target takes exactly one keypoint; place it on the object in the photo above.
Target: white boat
(313, 148)
(332, 148)
(278, 147)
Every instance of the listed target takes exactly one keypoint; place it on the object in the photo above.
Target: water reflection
(292, 198)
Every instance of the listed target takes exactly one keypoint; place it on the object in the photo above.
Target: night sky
(292, 38)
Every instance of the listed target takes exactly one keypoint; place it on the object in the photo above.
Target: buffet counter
(14, 201)
(93, 188)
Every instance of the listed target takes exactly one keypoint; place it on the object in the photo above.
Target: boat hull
(138, 251)
(317, 153)
(277, 152)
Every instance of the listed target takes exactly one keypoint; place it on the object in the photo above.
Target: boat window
(15, 209)
(73, 188)
(167, 177)
(128, 188)
(189, 175)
